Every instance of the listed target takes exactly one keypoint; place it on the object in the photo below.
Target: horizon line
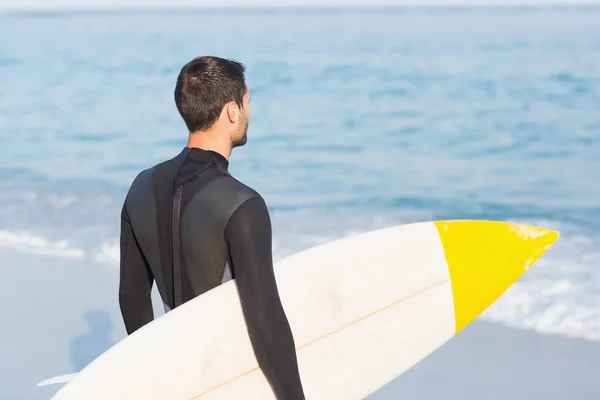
(150, 9)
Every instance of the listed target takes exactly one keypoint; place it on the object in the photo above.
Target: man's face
(240, 137)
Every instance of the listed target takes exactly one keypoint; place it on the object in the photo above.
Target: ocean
(361, 119)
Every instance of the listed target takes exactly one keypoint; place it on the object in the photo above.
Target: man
(190, 226)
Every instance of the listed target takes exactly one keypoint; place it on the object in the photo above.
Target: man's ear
(232, 112)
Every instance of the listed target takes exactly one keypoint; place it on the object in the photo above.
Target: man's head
(211, 95)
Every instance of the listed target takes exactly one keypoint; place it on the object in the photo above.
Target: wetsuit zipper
(176, 238)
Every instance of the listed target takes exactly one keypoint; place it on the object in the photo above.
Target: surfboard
(58, 379)
(363, 310)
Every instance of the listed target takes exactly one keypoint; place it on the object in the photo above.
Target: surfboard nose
(485, 258)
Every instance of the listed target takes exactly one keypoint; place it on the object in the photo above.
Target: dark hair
(204, 86)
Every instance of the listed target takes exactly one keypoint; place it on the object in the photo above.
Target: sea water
(361, 119)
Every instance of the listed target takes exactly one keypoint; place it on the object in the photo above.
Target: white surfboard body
(363, 310)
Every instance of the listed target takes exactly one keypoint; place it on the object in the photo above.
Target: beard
(241, 136)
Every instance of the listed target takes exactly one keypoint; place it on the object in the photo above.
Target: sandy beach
(491, 362)
(61, 313)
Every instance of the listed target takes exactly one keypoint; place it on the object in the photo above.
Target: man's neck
(210, 141)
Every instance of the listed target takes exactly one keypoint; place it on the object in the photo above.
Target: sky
(98, 4)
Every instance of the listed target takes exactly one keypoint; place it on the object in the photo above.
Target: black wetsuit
(188, 225)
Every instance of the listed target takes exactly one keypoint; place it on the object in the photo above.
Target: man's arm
(136, 280)
(249, 236)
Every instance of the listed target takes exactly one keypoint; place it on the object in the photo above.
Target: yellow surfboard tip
(485, 258)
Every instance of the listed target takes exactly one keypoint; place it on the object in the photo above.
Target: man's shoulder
(143, 183)
(144, 178)
(238, 185)
(242, 199)
(147, 175)
(247, 207)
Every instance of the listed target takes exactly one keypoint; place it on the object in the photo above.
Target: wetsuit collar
(221, 160)
(192, 161)
(199, 154)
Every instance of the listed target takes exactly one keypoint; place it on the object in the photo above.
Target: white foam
(548, 308)
(561, 294)
(109, 252)
(38, 245)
